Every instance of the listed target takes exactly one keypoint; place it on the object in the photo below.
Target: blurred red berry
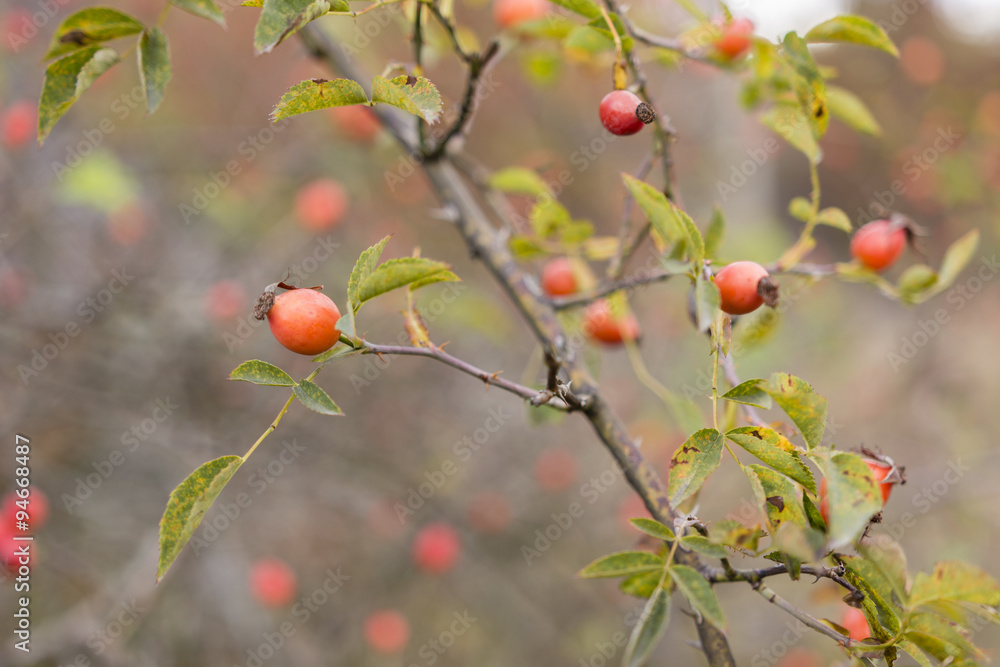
(273, 583)
(321, 204)
(387, 631)
(436, 548)
(556, 469)
(878, 244)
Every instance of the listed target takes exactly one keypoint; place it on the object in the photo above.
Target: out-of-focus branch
(603, 290)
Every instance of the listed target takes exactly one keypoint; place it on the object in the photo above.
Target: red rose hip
(558, 278)
(736, 39)
(304, 321)
(745, 287)
(600, 324)
(623, 113)
(878, 244)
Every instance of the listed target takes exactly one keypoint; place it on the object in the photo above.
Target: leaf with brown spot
(777, 497)
(775, 450)
(804, 407)
(692, 464)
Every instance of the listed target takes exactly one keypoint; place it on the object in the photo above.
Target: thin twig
(719, 575)
(478, 66)
(806, 618)
(604, 290)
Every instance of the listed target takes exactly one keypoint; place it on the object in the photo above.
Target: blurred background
(429, 525)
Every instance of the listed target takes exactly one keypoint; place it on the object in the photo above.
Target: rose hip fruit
(599, 323)
(878, 244)
(304, 321)
(736, 39)
(623, 113)
(273, 583)
(321, 204)
(387, 631)
(558, 278)
(745, 287)
(509, 13)
(436, 548)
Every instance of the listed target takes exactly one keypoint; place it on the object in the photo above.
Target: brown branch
(609, 288)
(485, 244)
(570, 404)
(718, 575)
(806, 618)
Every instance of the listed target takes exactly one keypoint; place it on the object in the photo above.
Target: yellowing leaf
(188, 504)
(315, 94)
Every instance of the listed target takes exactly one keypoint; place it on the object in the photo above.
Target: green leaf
(836, 218)
(187, 506)
(776, 494)
(315, 94)
(749, 392)
(601, 25)
(915, 652)
(804, 407)
(206, 9)
(775, 450)
(314, 398)
(587, 8)
(808, 83)
(413, 94)
(889, 559)
(396, 273)
(916, 281)
(649, 629)
(705, 546)
(518, 180)
(621, 564)
(955, 581)
(853, 29)
(848, 107)
(524, 247)
(154, 66)
(852, 494)
(732, 533)
(706, 301)
(261, 372)
(957, 257)
(549, 217)
(362, 269)
(941, 638)
(439, 277)
(641, 585)
(66, 79)
(91, 26)
(864, 574)
(337, 353)
(280, 19)
(670, 224)
(691, 465)
(715, 233)
(656, 207)
(653, 528)
(699, 593)
(801, 209)
(792, 125)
